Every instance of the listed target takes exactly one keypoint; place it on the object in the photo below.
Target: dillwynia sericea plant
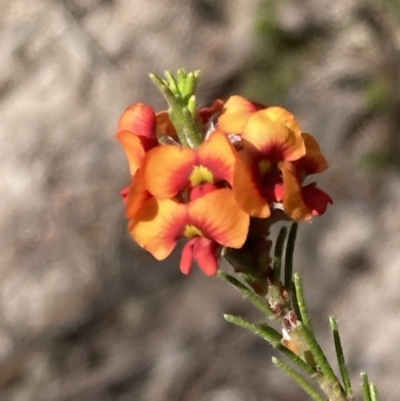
(220, 176)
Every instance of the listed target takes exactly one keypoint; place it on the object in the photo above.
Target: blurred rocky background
(87, 316)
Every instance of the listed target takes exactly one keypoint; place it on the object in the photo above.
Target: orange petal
(139, 119)
(158, 225)
(165, 125)
(313, 161)
(166, 170)
(133, 148)
(137, 196)
(285, 117)
(219, 156)
(235, 114)
(275, 140)
(246, 187)
(292, 198)
(219, 217)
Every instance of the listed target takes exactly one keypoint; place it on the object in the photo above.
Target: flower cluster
(253, 160)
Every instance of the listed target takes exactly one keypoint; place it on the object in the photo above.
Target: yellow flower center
(264, 166)
(200, 175)
(192, 231)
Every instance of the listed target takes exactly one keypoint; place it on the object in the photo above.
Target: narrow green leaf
(190, 84)
(373, 392)
(295, 302)
(305, 317)
(172, 84)
(163, 86)
(277, 263)
(300, 380)
(181, 77)
(256, 329)
(289, 255)
(157, 81)
(269, 334)
(192, 105)
(365, 387)
(257, 301)
(317, 352)
(340, 356)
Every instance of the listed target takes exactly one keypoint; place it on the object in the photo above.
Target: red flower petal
(187, 256)
(201, 190)
(206, 113)
(124, 193)
(316, 199)
(205, 254)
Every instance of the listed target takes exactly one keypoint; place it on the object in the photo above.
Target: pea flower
(271, 143)
(209, 222)
(168, 170)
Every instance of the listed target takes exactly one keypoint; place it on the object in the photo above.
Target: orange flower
(137, 131)
(170, 169)
(209, 221)
(272, 131)
(274, 158)
(268, 136)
